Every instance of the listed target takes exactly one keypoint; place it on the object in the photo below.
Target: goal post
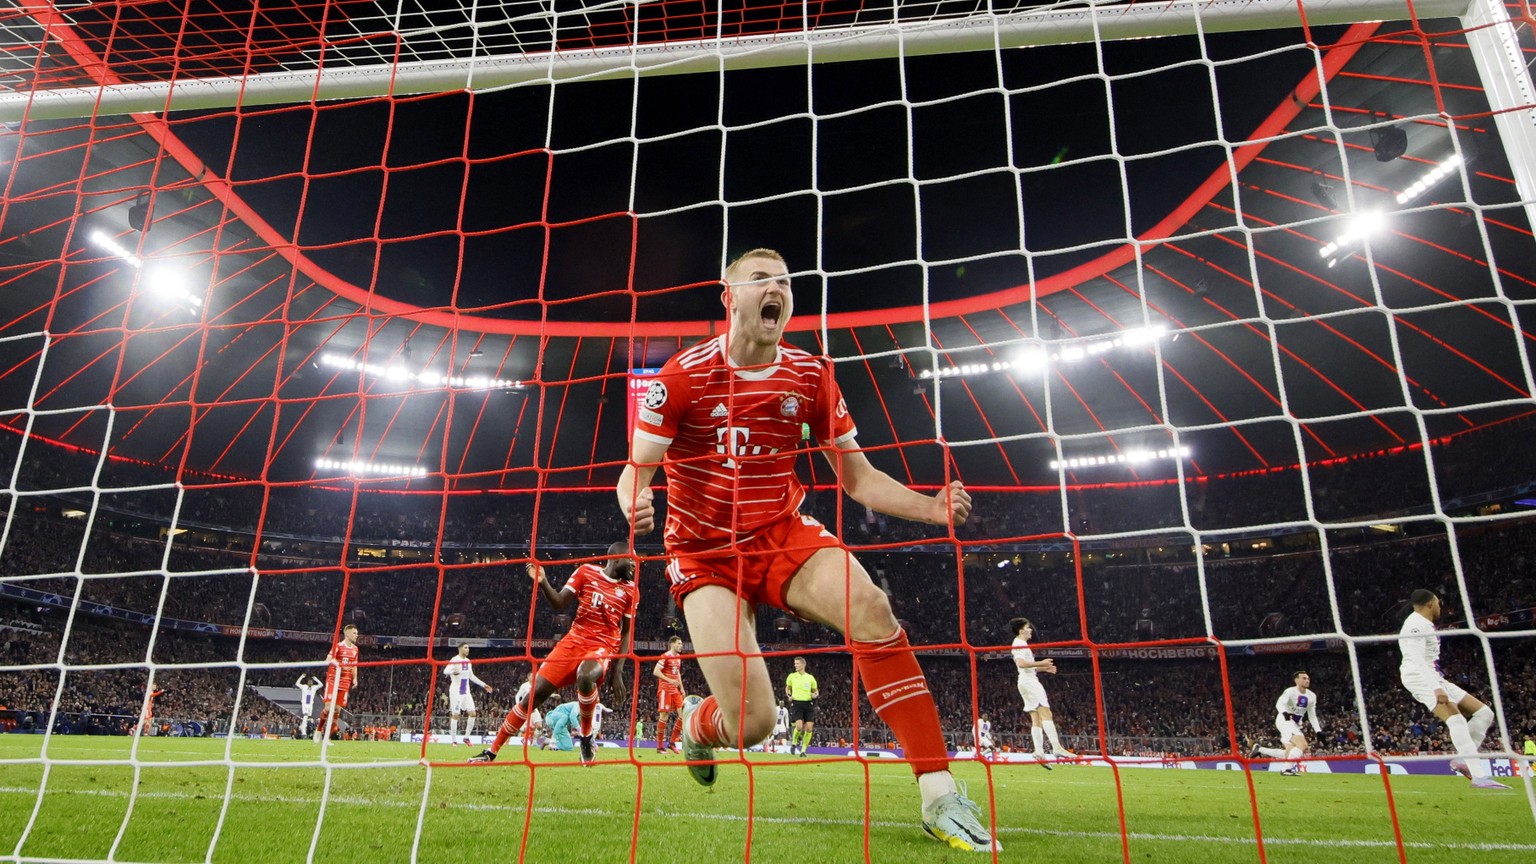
(478, 72)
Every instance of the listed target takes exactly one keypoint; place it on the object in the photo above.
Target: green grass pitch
(372, 802)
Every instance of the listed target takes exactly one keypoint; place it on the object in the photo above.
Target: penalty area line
(798, 820)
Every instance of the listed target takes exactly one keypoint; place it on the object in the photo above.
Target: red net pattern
(268, 370)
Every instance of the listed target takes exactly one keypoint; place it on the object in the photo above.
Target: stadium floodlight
(171, 285)
(427, 378)
(1430, 179)
(1363, 225)
(357, 467)
(109, 244)
(1123, 457)
(1034, 359)
(162, 281)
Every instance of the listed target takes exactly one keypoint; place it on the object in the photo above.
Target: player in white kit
(1464, 715)
(308, 686)
(1035, 702)
(780, 728)
(460, 700)
(1294, 704)
(985, 749)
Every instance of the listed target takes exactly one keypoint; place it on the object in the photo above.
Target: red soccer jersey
(672, 667)
(731, 435)
(345, 658)
(602, 604)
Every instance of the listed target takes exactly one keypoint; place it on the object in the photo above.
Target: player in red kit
(146, 726)
(725, 418)
(606, 598)
(340, 676)
(669, 695)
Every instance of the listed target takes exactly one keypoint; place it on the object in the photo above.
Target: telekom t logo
(731, 441)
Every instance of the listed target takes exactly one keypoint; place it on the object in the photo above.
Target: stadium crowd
(418, 565)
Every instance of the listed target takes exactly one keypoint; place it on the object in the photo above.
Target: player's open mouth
(770, 314)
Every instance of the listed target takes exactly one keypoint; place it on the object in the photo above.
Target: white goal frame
(1493, 37)
(1048, 26)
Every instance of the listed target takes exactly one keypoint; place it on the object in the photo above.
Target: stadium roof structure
(533, 244)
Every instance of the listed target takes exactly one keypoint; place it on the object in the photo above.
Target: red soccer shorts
(335, 695)
(760, 568)
(559, 667)
(668, 700)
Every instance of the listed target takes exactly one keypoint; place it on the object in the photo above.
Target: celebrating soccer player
(800, 686)
(1464, 715)
(1033, 692)
(606, 598)
(147, 721)
(669, 696)
(460, 701)
(340, 678)
(726, 415)
(1293, 704)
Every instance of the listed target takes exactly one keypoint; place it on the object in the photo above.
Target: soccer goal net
(338, 313)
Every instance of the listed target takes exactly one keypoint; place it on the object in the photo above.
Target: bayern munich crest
(790, 407)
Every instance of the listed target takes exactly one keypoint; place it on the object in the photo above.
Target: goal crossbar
(974, 33)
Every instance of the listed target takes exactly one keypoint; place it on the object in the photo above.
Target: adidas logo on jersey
(720, 411)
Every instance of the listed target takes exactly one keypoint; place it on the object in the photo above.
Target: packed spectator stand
(1118, 567)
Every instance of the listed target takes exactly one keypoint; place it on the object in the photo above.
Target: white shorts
(1033, 692)
(458, 703)
(780, 729)
(1288, 728)
(985, 743)
(1422, 688)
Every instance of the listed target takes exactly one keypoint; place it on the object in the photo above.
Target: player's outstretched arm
(880, 491)
(557, 599)
(634, 487)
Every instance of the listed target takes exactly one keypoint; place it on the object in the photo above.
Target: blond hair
(754, 253)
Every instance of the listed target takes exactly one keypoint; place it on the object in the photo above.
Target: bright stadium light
(1123, 457)
(171, 285)
(1430, 179)
(1031, 360)
(1034, 359)
(426, 378)
(161, 281)
(1363, 225)
(109, 244)
(357, 467)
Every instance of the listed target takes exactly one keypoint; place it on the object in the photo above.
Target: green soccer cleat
(700, 758)
(956, 820)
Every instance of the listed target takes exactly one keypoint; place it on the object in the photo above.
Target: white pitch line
(1041, 779)
(355, 761)
(799, 820)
